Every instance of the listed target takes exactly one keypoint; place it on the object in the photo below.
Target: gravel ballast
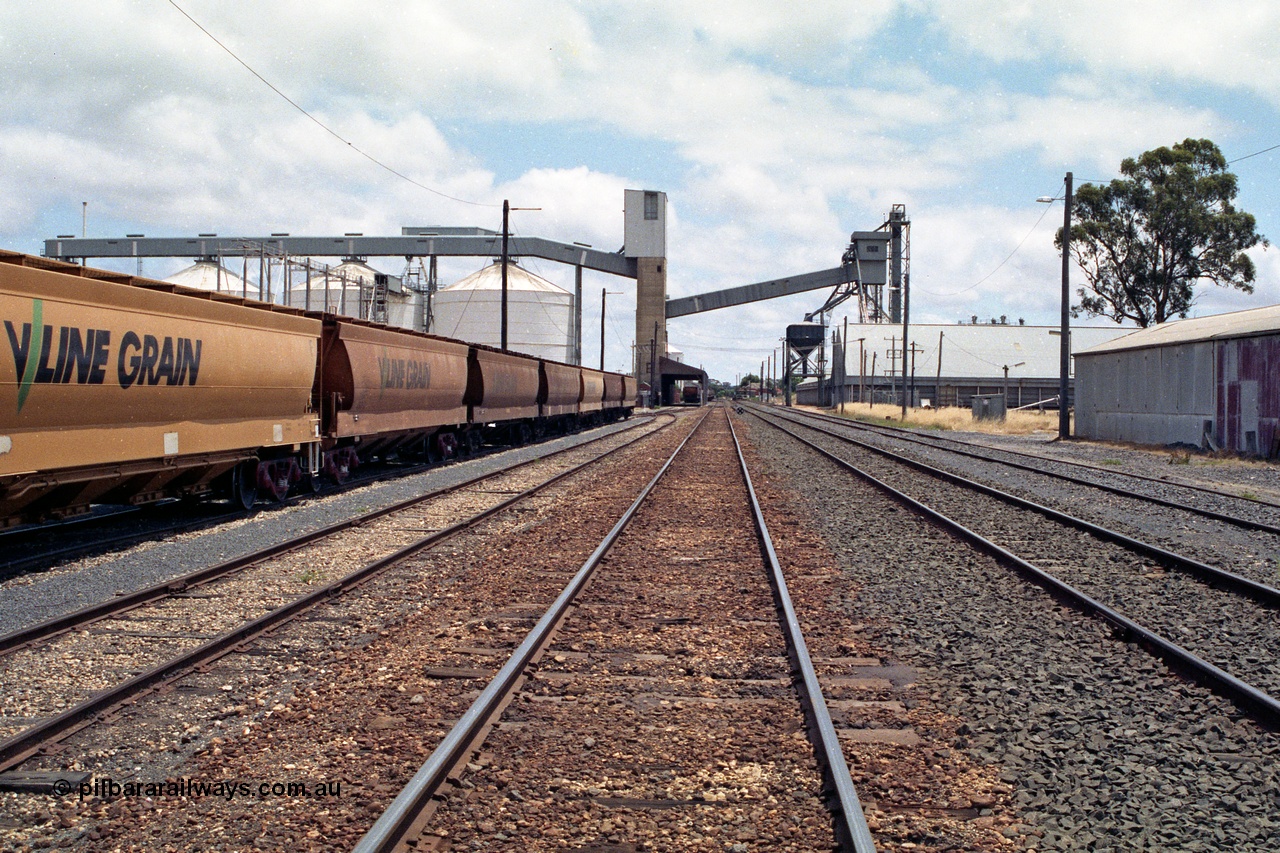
(33, 598)
(1104, 747)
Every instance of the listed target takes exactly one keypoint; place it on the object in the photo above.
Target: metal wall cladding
(563, 388)
(613, 390)
(592, 390)
(389, 381)
(1155, 395)
(1248, 407)
(505, 386)
(95, 370)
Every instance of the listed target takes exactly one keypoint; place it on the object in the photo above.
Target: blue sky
(775, 129)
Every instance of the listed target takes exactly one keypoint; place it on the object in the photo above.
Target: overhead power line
(1046, 210)
(1254, 154)
(321, 124)
(1002, 263)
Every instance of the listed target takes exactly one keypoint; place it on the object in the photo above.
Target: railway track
(657, 683)
(353, 695)
(40, 547)
(153, 637)
(1246, 513)
(1216, 626)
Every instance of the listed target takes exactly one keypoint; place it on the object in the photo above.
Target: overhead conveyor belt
(755, 292)
(415, 243)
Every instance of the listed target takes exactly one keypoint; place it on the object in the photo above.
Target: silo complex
(209, 275)
(355, 289)
(539, 313)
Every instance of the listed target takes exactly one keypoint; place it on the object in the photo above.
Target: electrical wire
(951, 343)
(321, 124)
(701, 348)
(1001, 264)
(1254, 154)
(1042, 216)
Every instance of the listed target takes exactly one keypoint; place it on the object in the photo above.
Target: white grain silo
(355, 289)
(208, 274)
(539, 313)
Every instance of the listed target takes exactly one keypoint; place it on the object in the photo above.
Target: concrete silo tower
(645, 239)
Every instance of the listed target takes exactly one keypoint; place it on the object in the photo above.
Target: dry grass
(954, 418)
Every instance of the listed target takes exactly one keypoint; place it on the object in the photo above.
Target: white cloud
(787, 128)
(1230, 43)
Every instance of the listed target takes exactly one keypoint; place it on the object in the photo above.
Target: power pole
(893, 365)
(912, 392)
(604, 295)
(862, 368)
(1064, 352)
(786, 371)
(873, 376)
(844, 363)
(906, 319)
(577, 314)
(506, 213)
(937, 384)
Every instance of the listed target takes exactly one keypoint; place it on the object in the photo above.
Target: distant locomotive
(122, 389)
(692, 394)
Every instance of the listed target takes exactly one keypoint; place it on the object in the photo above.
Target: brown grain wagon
(386, 390)
(117, 388)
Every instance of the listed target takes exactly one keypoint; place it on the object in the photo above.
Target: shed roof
(973, 351)
(1236, 324)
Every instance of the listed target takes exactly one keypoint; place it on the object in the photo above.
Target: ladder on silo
(378, 308)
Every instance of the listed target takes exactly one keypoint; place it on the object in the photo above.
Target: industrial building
(873, 264)
(1213, 382)
(947, 365)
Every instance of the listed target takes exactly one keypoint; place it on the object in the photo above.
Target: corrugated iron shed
(1208, 381)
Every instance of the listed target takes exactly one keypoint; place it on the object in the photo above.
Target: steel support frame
(414, 243)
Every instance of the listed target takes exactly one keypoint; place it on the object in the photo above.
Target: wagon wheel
(311, 484)
(244, 484)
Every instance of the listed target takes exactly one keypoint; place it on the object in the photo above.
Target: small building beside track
(1213, 382)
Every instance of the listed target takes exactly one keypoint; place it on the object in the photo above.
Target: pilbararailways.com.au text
(227, 789)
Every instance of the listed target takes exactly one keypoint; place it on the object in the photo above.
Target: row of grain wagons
(121, 389)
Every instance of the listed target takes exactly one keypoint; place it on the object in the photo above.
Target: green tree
(1146, 239)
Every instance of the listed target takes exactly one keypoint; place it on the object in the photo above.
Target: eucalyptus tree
(1145, 240)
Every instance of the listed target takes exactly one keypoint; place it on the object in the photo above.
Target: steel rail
(24, 744)
(908, 435)
(851, 828)
(55, 625)
(1259, 592)
(104, 545)
(1264, 708)
(895, 434)
(390, 828)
